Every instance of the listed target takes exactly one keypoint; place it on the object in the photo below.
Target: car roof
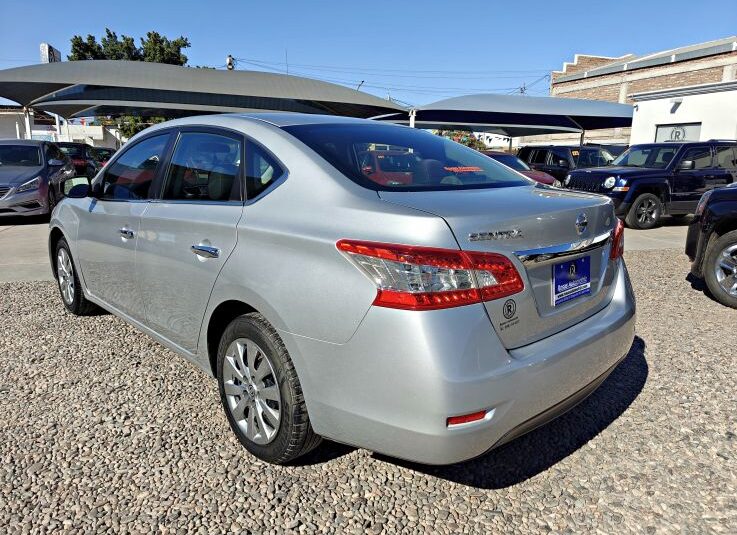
(35, 142)
(72, 143)
(496, 153)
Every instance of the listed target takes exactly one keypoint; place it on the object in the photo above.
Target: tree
(463, 137)
(155, 48)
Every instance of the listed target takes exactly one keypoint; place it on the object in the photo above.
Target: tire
(257, 385)
(720, 269)
(645, 212)
(68, 281)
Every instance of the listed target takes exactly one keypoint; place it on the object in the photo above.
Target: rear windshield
(387, 157)
(511, 161)
(23, 155)
(648, 156)
(73, 151)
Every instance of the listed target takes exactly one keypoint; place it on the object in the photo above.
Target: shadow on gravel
(540, 449)
(700, 286)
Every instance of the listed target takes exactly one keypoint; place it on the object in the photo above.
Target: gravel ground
(103, 429)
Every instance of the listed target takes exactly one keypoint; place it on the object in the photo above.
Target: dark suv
(655, 179)
(712, 243)
(559, 160)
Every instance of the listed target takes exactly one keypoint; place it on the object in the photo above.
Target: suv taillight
(617, 241)
(426, 278)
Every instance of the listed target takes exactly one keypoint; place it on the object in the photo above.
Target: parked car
(31, 176)
(651, 180)
(82, 156)
(430, 320)
(102, 155)
(512, 161)
(711, 243)
(558, 161)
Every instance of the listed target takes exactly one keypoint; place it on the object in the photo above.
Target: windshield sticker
(469, 169)
(574, 153)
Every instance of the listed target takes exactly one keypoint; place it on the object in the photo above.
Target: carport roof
(103, 87)
(518, 115)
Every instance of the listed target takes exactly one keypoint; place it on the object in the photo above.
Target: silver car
(372, 284)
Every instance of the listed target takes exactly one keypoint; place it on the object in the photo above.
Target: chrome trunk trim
(553, 252)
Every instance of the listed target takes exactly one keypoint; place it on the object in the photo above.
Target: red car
(510, 160)
(388, 167)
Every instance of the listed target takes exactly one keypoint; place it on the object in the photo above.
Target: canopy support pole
(27, 120)
(583, 133)
(412, 115)
(510, 144)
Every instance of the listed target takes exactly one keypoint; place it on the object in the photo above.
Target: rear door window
(204, 167)
(130, 176)
(540, 156)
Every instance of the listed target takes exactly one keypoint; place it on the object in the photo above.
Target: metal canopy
(516, 115)
(103, 87)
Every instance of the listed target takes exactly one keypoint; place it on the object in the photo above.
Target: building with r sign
(691, 113)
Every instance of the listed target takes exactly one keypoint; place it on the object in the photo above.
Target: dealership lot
(102, 427)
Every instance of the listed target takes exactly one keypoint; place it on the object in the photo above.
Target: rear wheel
(69, 285)
(645, 212)
(260, 392)
(720, 269)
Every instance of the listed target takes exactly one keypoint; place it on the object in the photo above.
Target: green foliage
(154, 48)
(464, 138)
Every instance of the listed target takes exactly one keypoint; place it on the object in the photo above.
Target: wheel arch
(55, 235)
(219, 320)
(659, 189)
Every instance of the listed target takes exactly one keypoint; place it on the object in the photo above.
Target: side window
(524, 154)
(539, 156)
(701, 157)
(130, 176)
(204, 167)
(261, 170)
(53, 153)
(556, 155)
(727, 157)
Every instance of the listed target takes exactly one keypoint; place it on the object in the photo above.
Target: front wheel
(261, 393)
(69, 285)
(645, 212)
(720, 269)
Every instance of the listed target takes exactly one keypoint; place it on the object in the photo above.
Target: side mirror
(77, 187)
(53, 162)
(686, 165)
(563, 163)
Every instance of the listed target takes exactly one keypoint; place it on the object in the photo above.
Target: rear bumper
(393, 385)
(27, 203)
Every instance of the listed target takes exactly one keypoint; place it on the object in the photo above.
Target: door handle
(126, 233)
(205, 251)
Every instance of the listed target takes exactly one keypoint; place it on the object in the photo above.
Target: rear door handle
(205, 251)
(126, 233)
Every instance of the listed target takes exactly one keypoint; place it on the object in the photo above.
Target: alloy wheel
(725, 269)
(65, 274)
(646, 211)
(252, 391)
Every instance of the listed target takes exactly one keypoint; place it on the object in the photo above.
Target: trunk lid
(535, 226)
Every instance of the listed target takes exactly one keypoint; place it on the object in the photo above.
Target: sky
(415, 52)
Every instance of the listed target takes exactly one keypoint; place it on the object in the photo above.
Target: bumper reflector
(465, 418)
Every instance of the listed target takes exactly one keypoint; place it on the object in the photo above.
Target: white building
(692, 113)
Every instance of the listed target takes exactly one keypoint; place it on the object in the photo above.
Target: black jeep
(655, 179)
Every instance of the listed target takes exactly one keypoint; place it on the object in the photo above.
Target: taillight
(426, 278)
(617, 241)
(77, 161)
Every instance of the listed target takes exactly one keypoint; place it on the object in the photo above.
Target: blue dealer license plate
(571, 279)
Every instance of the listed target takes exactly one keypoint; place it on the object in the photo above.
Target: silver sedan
(368, 283)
